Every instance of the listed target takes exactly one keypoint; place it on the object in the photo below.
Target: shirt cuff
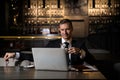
(17, 55)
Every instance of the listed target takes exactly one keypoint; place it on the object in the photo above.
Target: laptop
(50, 59)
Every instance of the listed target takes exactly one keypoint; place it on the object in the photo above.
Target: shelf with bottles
(102, 24)
(36, 25)
(102, 20)
(103, 12)
(28, 13)
(93, 29)
(103, 4)
(44, 8)
(41, 21)
(42, 14)
(103, 7)
(40, 30)
(54, 13)
(97, 4)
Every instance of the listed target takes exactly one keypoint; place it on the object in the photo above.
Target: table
(30, 73)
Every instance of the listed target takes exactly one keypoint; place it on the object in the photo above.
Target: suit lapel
(58, 43)
(73, 43)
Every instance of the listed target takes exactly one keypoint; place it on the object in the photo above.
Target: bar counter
(49, 36)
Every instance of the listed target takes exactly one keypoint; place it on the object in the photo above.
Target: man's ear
(58, 30)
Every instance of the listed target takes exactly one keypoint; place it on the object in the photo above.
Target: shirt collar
(69, 41)
(63, 40)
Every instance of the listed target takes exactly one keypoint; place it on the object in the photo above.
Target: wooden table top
(31, 73)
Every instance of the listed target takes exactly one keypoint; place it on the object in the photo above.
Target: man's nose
(65, 31)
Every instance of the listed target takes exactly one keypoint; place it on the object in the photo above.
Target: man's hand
(9, 55)
(73, 50)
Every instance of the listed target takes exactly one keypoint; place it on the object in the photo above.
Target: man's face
(65, 31)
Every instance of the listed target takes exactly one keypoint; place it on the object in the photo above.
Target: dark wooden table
(31, 73)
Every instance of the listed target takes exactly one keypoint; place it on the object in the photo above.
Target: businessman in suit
(76, 50)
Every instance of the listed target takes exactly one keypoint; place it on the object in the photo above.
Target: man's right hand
(9, 55)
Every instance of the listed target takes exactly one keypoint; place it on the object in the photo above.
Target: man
(77, 52)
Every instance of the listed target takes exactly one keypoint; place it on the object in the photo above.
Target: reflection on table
(31, 73)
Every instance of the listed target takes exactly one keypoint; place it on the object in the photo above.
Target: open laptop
(50, 59)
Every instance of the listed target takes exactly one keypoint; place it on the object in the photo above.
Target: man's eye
(67, 29)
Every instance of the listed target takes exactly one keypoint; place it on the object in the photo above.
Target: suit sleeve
(26, 56)
(89, 58)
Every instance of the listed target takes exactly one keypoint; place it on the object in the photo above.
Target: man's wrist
(82, 53)
(17, 55)
(14, 54)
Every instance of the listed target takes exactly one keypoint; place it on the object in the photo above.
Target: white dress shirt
(17, 55)
(63, 45)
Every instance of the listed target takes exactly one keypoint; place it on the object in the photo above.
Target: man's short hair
(67, 21)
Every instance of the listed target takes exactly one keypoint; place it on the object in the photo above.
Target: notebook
(50, 59)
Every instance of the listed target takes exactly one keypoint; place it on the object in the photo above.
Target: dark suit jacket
(75, 58)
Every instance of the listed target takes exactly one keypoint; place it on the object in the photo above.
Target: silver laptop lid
(50, 59)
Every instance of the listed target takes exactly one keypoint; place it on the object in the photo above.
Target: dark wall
(109, 41)
(3, 17)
